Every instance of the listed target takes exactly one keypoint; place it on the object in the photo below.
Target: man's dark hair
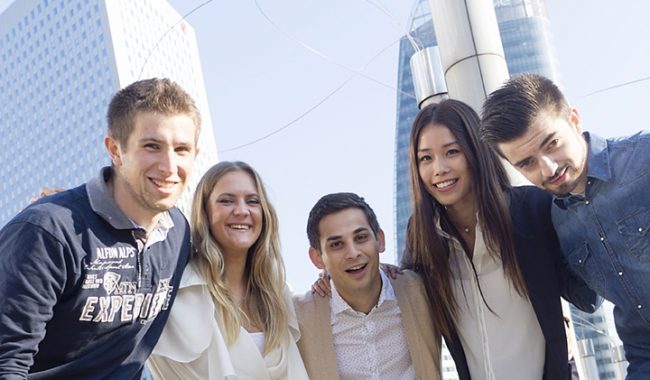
(510, 110)
(333, 203)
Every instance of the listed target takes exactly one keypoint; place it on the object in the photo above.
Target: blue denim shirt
(604, 235)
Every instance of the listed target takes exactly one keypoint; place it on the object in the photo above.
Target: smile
(240, 227)
(558, 177)
(163, 184)
(445, 184)
(356, 268)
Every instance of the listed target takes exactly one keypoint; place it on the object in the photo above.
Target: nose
(167, 162)
(547, 166)
(241, 208)
(352, 252)
(440, 167)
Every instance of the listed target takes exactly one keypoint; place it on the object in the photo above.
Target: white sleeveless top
(258, 339)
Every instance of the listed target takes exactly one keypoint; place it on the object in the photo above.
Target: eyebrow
(444, 146)
(544, 142)
(149, 139)
(339, 237)
(247, 195)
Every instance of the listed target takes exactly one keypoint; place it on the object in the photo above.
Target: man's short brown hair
(149, 95)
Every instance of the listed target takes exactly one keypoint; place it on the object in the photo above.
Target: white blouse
(192, 345)
(507, 342)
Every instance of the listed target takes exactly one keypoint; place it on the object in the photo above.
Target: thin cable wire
(310, 109)
(325, 57)
(167, 32)
(392, 16)
(613, 87)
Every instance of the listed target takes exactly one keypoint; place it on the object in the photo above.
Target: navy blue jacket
(81, 297)
(547, 278)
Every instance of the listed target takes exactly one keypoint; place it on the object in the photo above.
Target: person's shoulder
(526, 198)
(642, 137)
(300, 300)
(306, 306)
(529, 192)
(627, 144)
(56, 209)
(408, 278)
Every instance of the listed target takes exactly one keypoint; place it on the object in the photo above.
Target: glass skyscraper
(61, 61)
(527, 44)
(528, 47)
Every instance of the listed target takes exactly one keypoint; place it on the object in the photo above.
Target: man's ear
(315, 256)
(575, 119)
(381, 240)
(114, 150)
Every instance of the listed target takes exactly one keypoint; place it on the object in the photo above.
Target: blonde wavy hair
(264, 266)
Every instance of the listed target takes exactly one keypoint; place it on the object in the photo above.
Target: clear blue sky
(259, 80)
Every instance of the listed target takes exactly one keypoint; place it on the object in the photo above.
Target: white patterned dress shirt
(371, 346)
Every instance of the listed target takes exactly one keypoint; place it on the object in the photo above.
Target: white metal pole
(472, 55)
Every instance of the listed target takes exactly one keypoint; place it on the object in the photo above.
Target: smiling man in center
(372, 326)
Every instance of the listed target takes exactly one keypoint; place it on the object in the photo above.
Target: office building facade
(61, 62)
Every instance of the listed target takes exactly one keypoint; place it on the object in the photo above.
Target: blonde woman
(233, 317)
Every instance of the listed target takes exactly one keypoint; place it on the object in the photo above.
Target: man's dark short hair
(331, 204)
(510, 110)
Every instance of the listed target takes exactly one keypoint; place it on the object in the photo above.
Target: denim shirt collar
(597, 157)
(598, 166)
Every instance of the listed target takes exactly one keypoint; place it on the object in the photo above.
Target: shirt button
(620, 273)
(602, 238)
(580, 261)
(639, 306)
(588, 182)
(640, 229)
(586, 202)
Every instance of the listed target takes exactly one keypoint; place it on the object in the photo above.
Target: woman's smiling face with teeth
(442, 166)
(235, 213)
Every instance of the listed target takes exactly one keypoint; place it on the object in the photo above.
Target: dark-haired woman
(487, 253)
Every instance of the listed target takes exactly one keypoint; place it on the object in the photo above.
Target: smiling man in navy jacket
(87, 275)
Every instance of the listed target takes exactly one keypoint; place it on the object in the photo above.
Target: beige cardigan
(316, 343)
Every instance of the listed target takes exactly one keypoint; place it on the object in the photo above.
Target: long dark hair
(426, 251)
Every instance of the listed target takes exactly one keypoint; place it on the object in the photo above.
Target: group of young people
(100, 279)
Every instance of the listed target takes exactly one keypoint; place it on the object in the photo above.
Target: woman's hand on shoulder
(322, 285)
(391, 270)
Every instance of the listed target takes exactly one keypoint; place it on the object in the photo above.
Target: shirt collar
(103, 204)
(597, 157)
(339, 305)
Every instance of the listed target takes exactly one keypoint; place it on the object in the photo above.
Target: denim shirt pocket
(634, 230)
(581, 261)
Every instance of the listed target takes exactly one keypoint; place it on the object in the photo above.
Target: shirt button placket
(372, 349)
